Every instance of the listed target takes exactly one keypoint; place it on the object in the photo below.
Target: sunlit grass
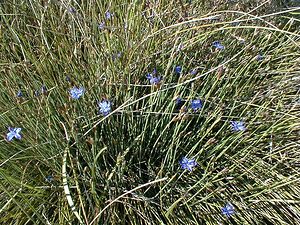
(75, 166)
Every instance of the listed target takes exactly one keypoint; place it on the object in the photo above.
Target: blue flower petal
(152, 79)
(149, 76)
(19, 94)
(194, 71)
(18, 136)
(101, 25)
(10, 136)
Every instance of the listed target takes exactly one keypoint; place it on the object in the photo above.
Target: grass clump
(102, 144)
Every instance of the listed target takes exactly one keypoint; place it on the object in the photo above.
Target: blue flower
(194, 71)
(238, 125)
(13, 133)
(71, 10)
(259, 57)
(104, 107)
(49, 178)
(196, 104)
(19, 94)
(108, 15)
(76, 93)
(153, 79)
(101, 25)
(116, 56)
(228, 210)
(154, 71)
(178, 101)
(186, 163)
(218, 45)
(68, 79)
(178, 69)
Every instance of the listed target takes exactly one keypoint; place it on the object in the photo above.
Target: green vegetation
(74, 165)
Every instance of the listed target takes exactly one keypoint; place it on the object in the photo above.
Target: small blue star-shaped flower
(13, 133)
(108, 15)
(218, 45)
(178, 69)
(196, 104)
(259, 57)
(228, 210)
(153, 79)
(76, 93)
(104, 107)
(101, 26)
(238, 126)
(19, 94)
(186, 163)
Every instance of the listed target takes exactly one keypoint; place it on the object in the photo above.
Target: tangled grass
(75, 166)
